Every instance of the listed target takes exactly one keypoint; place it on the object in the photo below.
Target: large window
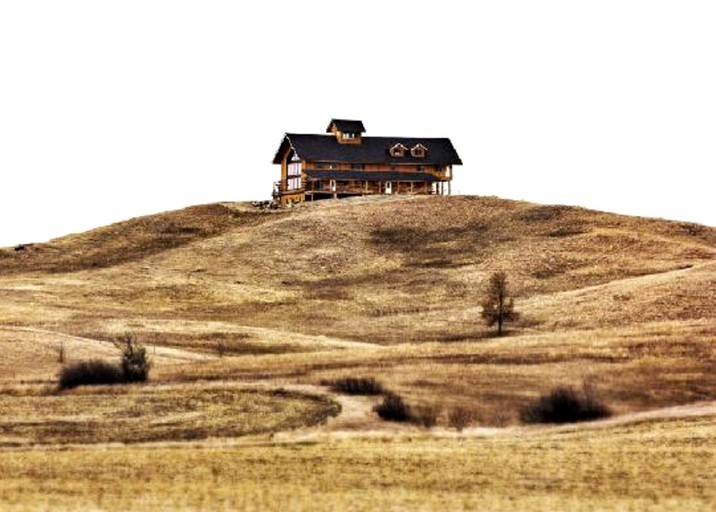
(294, 176)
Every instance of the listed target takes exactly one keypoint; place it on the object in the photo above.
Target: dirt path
(358, 420)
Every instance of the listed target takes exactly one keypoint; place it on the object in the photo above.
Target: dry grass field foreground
(665, 465)
(246, 312)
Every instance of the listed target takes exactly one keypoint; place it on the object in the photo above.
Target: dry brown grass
(632, 369)
(663, 465)
(133, 414)
(130, 240)
(378, 288)
(375, 271)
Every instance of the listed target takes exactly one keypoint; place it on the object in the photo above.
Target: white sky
(113, 109)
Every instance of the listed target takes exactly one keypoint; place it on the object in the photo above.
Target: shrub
(459, 418)
(425, 416)
(356, 386)
(393, 408)
(135, 362)
(565, 405)
(87, 373)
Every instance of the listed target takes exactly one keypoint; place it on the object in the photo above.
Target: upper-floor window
(418, 151)
(294, 169)
(398, 150)
(349, 135)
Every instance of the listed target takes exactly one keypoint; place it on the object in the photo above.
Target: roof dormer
(346, 131)
(418, 151)
(397, 150)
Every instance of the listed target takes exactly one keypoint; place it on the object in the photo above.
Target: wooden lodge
(346, 163)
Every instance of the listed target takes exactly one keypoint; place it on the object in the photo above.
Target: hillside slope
(376, 270)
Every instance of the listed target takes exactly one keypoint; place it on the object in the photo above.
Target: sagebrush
(565, 405)
(393, 408)
(355, 385)
(134, 366)
(87, 373)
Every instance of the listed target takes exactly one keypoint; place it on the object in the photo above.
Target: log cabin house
(346, 163)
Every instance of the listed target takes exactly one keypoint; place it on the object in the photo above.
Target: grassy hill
(367, 269)
(237, 303)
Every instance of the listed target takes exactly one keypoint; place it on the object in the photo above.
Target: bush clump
(356, 386)
(87, 373)
(426, 416)
(459, 418)
(393, 408)
(565, 405)
(134, 366)
(135, 362)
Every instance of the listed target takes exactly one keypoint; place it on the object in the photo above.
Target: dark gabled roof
(346, 125)
(372, 150)
(371, 176)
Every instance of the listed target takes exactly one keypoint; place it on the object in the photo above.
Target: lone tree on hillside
(497, 306)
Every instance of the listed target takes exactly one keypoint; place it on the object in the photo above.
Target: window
(293, 176)
(293, 183)
(418, 151)
(294, 169)
(357, 167)
(422, 168)
(349, 135)
(398, 150)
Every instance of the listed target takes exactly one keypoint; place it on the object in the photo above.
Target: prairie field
(247, 316)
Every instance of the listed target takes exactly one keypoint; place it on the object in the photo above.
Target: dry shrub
(134, 366)
(355, 386)
(393, 408)
(86, 373)
(135, 362)
(565, 405)
(459, 418)
(425, 416)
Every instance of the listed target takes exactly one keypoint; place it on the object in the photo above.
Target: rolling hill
(252, 310)
(379, 271)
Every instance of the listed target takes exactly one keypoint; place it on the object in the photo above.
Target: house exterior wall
(423, 180)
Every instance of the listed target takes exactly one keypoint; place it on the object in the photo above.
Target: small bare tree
(135, 361)
(497, 306)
